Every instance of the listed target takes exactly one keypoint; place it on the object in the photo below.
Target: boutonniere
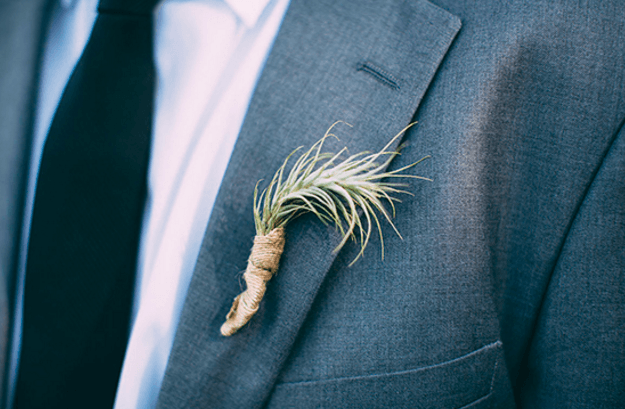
(345, 192)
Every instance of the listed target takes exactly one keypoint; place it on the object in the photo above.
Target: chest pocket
(464, 382)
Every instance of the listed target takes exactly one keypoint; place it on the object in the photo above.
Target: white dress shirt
(208, 55)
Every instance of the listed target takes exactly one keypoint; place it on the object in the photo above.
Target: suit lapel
(21, 32)
(367, 63)
(22, 24)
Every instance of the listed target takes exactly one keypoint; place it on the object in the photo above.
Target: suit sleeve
(577, 354)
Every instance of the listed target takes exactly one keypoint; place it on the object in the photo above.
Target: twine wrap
(261, 266)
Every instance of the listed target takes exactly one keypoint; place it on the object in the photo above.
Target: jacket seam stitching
(477, 401)
(404, 372)
(620, 128)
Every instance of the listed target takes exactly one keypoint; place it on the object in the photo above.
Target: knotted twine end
(261, 266)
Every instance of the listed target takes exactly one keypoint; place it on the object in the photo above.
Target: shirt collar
(248, 10)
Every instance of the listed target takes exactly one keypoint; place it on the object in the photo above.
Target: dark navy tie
(86, 219)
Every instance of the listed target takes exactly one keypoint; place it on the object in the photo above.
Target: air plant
(346, 192)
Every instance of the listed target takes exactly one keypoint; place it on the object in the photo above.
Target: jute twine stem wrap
(261, 266)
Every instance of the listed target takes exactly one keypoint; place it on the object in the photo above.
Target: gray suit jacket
(508, 286)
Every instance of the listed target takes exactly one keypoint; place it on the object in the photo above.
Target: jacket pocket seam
(490, 392)
(492, 345)
(477, 401)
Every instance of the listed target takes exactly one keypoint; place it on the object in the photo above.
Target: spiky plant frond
(346, 192)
